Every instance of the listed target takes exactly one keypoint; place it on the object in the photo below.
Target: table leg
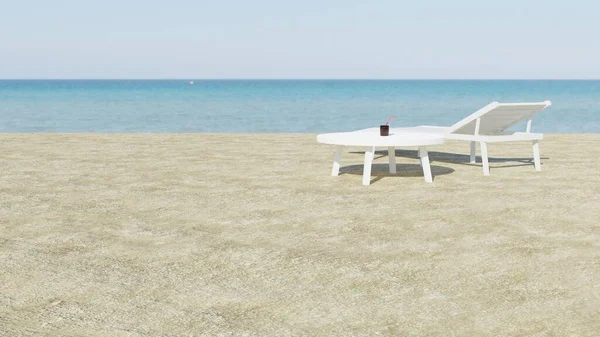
(369, 153)
(425, 163)
(392, 156)
(337, 159)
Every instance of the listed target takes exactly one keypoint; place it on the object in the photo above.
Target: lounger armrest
(514, 137)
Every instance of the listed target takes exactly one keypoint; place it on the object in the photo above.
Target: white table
(370, 139)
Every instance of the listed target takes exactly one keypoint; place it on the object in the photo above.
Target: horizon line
(298, 79)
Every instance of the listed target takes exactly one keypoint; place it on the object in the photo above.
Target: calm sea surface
(280, 106)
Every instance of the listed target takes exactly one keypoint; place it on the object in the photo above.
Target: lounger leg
(484, 159)
(392, 156)
(369, 153)
(419, 156)
(425, 163)
(473, 150)
(536, 156)
(337, 159)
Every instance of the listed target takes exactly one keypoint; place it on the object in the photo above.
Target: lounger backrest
(496, 117)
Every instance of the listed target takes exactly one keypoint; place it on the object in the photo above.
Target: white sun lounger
(489, 125)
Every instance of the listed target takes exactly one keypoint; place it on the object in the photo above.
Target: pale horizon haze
(310, 39)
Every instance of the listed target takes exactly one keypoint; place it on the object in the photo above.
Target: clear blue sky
(299, 39)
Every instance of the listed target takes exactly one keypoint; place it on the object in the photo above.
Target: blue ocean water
(281, 105)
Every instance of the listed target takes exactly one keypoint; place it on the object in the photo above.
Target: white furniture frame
(370, 140)
(489, 125)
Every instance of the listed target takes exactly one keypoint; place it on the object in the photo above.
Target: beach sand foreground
(233, 235)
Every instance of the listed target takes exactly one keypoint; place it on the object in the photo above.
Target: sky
(314, 39)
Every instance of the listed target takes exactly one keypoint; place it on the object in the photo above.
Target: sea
(281, 106)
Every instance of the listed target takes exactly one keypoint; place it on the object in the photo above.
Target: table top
(371, 137)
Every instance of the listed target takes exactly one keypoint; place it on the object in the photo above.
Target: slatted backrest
(495, 118)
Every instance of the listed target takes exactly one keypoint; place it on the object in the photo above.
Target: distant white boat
(191, 82)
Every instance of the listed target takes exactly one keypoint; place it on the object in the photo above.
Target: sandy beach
(249, 235)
